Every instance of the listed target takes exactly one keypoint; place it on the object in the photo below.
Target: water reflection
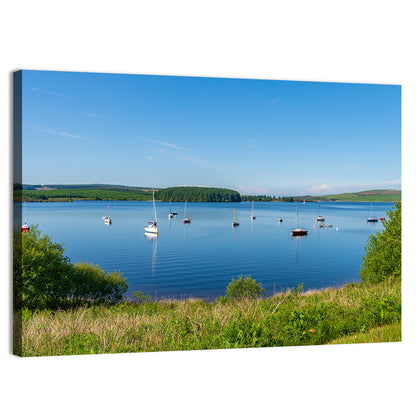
(297, 238)
(152, 239)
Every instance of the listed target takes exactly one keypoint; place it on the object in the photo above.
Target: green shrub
(45, 278)
(244, 288)
(140, 297)
(90, 283)
(42, 273)
(383, 251)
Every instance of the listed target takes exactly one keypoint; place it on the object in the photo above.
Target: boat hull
(298, 232)
(151, 230)
(372, 220)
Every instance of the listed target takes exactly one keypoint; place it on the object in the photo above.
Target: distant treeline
(116, 194)
(257, 198)
(74, 186)
(266, 198)
(197, 194)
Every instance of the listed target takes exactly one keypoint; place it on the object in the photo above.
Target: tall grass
(288, 318)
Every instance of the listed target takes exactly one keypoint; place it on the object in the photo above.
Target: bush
(42, 274)
(92, 283)
(244, 288)
(383, 251)
(45, 278)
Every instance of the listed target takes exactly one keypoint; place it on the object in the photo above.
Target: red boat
(25, 228)
(298, 231)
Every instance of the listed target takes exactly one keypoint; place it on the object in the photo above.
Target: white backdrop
(354, 41)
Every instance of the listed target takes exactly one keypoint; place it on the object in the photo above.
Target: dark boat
(298, 231)
(235, 223)
(186, 220)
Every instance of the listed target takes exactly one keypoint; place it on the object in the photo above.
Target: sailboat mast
(297, 216)
(154, 206)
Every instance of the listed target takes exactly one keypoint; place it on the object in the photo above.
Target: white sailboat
(253, 217)
(319, 217)
(171, 213)
(185, 220)
(371, 218)
(107, 219)
(152, 225)
(235, 223)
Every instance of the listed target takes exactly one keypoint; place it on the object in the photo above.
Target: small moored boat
(371, 218)
(185, 220)
(298, 231)
(25, 228)
(319, 217)
(152, 225)
(107, 219)
(235, 223)
(171, 213)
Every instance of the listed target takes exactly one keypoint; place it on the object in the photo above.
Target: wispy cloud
(59, 133)
(73, 136)
(43, 129)
(251, 142)
(171, 145)
(250, 190)
(321, 189)
(47, 92)
(93, 115)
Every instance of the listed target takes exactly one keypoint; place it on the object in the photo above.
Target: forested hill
(44, 193)
(197, 194)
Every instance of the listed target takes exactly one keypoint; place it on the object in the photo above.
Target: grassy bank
(286, 319)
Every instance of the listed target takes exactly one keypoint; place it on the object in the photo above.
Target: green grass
(386, 333)
(377, 195)
(286, 319)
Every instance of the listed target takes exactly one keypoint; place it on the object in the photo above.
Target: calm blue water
(199, 259)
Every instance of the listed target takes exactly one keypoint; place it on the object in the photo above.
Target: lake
(199, 259)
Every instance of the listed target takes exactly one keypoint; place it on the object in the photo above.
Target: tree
(244, 288)
(383, 253)
(45, 277)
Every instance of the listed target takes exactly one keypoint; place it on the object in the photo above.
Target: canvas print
(167, 213)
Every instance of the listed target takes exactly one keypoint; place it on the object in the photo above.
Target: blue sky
(254, 136)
